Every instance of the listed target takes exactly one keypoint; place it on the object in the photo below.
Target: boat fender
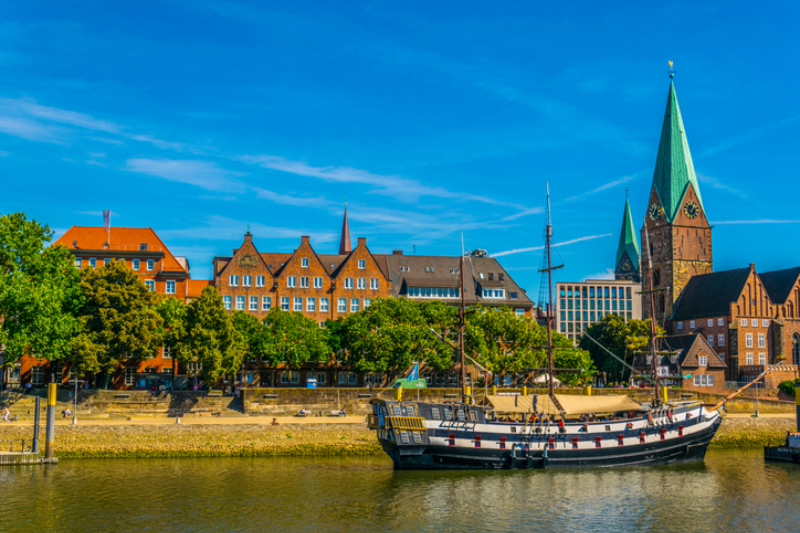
(663, 434)
(629, 425)
(680, 431)
(551, 443)
(584, 428)
(597, 441)
(502, 443)
(452, 440)
(561, 428)
(621, 439)
(574, 443)
(688, 416)
(641, 437)
(650, 419)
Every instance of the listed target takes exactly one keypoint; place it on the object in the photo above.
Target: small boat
(542, 431)
(790, 451)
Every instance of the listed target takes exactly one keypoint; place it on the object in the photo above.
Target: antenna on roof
(671, 70)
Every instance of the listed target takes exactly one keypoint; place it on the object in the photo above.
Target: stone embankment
(251, 437)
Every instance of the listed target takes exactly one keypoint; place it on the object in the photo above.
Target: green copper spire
(627, 240)
(674, 168)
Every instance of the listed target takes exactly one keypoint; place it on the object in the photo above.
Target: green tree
(211, 338)
(393, 333)
(291, 338)
(624, 339)
(120, 320)
(173, 333)
(39, 292)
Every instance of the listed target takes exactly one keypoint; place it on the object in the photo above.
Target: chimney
(248, 238)
(362, 241)
(397, 252)
(305, 239)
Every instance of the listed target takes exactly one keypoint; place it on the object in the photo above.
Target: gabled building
(688, 361)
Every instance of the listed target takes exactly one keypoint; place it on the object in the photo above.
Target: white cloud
(606, 274)
(556, 245)
(716, 184)
(601, 188)
(203, 174)
(28, 129)
(60, 116)
(290, 200)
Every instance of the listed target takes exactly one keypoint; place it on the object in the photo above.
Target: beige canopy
(572, 404)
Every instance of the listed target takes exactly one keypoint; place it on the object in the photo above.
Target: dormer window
(481, 275)
(304, 262)
(142, 247)
(502, 277)
(703, 361)
(491, 276)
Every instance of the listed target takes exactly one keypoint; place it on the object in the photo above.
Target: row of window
(744, 322)
(720, 340)
(291, 282)
(748, 340)
(494, 294)
(136, 264)
(588, 316)
(762, 359)
(294, 304)
(610, 305)
(704, 381)
(169, 286)
(600, 292)
(433, 292)
(305, 262)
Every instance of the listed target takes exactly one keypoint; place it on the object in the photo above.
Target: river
(732, 491)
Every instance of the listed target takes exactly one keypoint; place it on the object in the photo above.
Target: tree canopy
(624, 339)
(293, 339)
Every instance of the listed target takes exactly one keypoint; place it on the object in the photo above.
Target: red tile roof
(196, 286)
(121, 240)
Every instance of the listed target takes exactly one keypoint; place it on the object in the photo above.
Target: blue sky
(199, 118)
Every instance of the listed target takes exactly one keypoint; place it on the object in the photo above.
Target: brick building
(688, 361)
(162, 272)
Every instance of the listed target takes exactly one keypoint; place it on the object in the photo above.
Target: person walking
(5, 414)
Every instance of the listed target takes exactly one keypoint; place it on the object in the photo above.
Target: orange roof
(196, 287)
(121, 240)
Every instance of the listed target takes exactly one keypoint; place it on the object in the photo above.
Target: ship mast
(652, 315)
(548, 235)
(461, 329)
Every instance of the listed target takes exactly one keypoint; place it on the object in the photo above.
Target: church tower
(627, 265)
(344, 241)
(676, 230)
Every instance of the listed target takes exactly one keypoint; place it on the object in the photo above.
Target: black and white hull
(455, 436)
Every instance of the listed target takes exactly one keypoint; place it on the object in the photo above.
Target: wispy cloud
(525, 213)
(225, 229)
(28, 129)
(203, 174)
(714, 183)
(400, 188)
(284, 199)
(601, 188)
(556, 245)
(60, 116)
(749, 136)
(758, 221)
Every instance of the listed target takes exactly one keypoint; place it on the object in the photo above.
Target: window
(721, 357)
(311, 305)
(762, 359)
(342, 305)
(166, 371)
(348, 283)
(367, 303)
(166, 352)
(150, 284)
(354, 305)
(514, 295)
(266, 303)
(247, 281)
(748, 340)
(762, 340)
(226, 301)
(521, 312)
(710, 339)
(240, 303)
(373, 284)
(405, 269)
(37, 375)
(317, 283)
(680, 325)
(362, 283)
(304, 283)
(691, 324)
(92, 262)
(259, 281)
(254, 303)
(720, 321)
(743, 322)
(291, 282)
(298, 304)
(703, 360)
(233, 281)
(710, 323)
(135, 264)
(765, 323)
(432, 292)
(749, 359)
(151, 265)
(720, 340)
(710, 380)
(130, 376)
(754, 323)
(362, 264)
(290, 377)
(284, 303)
(796, 349)
(494, 293)
(304, 262)
(170, 287)
(323, 305)
(142, 247)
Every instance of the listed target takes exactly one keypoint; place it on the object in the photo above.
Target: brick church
(749, 319)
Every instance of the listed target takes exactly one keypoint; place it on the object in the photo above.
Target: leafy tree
(173, 333)
(291, 338)
(120, 321)
(253, 334)
(39, 292)
(624, 339)
(393, 333)
(211, 338)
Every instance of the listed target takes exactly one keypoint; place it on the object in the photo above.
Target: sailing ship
(543, 431)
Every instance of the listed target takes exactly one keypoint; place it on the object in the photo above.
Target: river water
(733, 491)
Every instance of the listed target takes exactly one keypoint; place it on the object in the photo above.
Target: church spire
(344, 241)
(627, 265)
(674, 171)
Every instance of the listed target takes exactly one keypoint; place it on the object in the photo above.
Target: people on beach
(66, 413)
(5, 414)
(274, 421)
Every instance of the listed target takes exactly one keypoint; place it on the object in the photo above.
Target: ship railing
(406, 423)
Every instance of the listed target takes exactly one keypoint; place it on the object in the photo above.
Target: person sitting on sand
(274, 421)
(5, 414)
(66, 413)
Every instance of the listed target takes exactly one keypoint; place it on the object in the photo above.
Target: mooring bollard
(36, 419)
(51, 422)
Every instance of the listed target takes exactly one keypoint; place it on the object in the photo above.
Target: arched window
(796, 349)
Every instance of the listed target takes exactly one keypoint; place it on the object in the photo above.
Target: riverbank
(256, 437)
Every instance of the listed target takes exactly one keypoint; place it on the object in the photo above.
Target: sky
(202, 119)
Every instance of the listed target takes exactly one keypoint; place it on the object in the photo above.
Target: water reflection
(732, 491)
